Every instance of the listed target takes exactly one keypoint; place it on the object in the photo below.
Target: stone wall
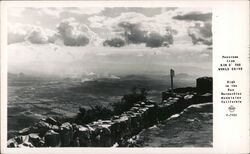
(204, 85)
(102, 133)
(105, 133)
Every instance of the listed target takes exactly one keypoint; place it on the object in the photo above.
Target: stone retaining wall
(102, 133)
(105, 133)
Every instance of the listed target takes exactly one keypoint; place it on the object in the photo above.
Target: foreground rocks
(102, 133)
(105, 133)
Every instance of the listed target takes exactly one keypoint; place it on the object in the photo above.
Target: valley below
(31, 98)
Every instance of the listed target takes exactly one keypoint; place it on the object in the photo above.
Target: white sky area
(69, 41)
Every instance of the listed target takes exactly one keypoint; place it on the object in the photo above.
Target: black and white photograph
(116, 77)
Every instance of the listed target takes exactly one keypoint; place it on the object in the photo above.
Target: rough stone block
(117, 129)
(163, 112)
(26, 144)
(133, 123)
(204, 85)
(41, 127)
(21, 139)
(139, 123)
(51, 121)
(11, 143)
(207, 97)
(95, 137)
(35, 140)
(188, 97)
(24, 131)
(152, 115)
(150, 102)
(84, 136)
(123, 125)
(166, 95)
(55, 128)
(134, 109)
(137, 105)
(52, 139)
(142, 104)
(66, 133)
(144, 115)
(105, 136)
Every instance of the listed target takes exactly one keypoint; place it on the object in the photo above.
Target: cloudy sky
(180, 37)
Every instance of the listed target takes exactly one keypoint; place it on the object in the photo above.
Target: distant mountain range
(93, 76)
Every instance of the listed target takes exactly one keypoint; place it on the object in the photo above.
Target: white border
(230, 37)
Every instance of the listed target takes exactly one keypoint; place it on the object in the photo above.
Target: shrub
(128, 101)
(99, 112)
(94, 113)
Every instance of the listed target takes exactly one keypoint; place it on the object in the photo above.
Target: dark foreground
(183, 118)
(50, 133)
(192, 128)
(33, 98)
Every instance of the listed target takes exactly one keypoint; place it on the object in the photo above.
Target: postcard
(124, 76)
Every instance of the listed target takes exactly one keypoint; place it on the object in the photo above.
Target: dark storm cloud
(72, 33)
(114, 42)
(194, 16)
(201, 34)
(75, 41)
(156, 40)
(133, 33)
